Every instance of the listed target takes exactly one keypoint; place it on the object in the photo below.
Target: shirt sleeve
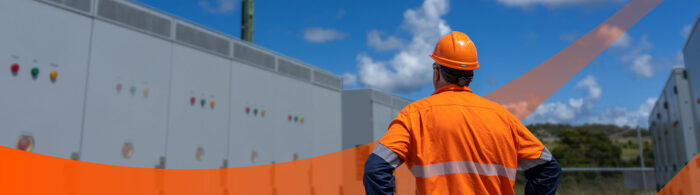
(397, 138)
(531, 152)
(389, 153)
(542, 170)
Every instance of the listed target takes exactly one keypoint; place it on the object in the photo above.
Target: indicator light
(247, 110)
(35, 72)
(192, 100)
(212, 104)
(14, 68)
(199, 155)
(53, 75)
(202, 102)
(132, 90)
(262, 113)
(127, 150)
(119, 87)
(296, 118)
(25, 143)
(253, 156)
(301, 119)
(145, 92)
(255, 112)
(289, 118)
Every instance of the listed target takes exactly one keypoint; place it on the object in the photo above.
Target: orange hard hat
(456, 51)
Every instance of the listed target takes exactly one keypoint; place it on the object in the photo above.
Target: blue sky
(385, 45)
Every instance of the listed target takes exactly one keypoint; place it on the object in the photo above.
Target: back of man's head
(454, 76)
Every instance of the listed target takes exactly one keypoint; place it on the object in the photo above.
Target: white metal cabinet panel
(136, 114)
(687, 126)
(197, 131)
(675, 126)
(691, 55)
(49, 39)
(326, 121)
(381, 118)
(666, 138)
(251, 133)
(291, 136)
(356, 117)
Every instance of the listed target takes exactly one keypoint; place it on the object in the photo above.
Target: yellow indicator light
(212, 104)
(53, 75)
(262, 113)
(301, 119)
(145, 92)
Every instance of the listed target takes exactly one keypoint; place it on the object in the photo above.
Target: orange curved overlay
(686, 181)
(335, 173)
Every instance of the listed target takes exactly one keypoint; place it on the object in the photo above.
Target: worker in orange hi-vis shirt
(456, 142)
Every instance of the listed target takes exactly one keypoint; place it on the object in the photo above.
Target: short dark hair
(454, 76)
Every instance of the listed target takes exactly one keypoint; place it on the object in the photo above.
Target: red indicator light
(14, 68)
(25, 143)
(247, 110)
(192, 100)
(119, 87)
(289, 118)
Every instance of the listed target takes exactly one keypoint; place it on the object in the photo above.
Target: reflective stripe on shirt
(455, 167)
(546, 156)
(387, 154)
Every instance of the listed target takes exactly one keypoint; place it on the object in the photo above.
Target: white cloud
(622, 42)
(685, 32)
(409, 70)
(320, 35)
(621, 117)
(220, 7)
(641, 66)
(570, 112)
(555, 3)
(580, 110)
(590, 84)
(374, 40)
(639, 60)
(349, 79)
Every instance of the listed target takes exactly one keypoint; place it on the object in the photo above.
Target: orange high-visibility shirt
(456, 142)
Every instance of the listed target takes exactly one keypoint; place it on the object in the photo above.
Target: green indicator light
(132, 89)
(296, 118)
(35, 71)
(255, 111)
(202, 102)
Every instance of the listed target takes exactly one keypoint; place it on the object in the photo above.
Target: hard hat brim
(455, 64)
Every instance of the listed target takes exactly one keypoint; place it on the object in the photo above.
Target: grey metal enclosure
(367, 114)
(672, 126)
(116, 82)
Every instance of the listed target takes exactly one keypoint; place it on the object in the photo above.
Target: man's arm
(542, 170)
(543, 178)
(389, 153)
(379, 170)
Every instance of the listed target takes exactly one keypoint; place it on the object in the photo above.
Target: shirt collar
(452, 87)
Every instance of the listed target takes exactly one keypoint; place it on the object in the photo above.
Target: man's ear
(436, 75)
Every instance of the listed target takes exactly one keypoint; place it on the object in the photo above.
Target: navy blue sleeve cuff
(543, 178)
(378, 176)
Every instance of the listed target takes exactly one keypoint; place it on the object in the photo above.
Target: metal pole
(641, 159)
(247, 20)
